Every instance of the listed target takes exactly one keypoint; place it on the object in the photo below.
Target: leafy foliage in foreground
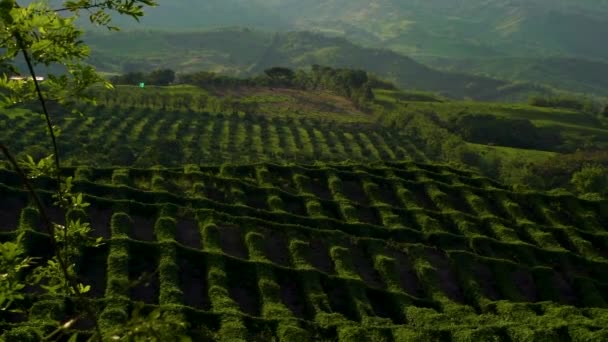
(382, 252)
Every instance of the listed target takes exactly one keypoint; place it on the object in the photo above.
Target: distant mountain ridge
(244, 52)
(575, 74)
(417, 27)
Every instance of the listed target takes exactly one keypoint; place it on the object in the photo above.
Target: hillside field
(347, 252)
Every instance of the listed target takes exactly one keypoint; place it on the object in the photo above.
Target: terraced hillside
(117, 136)
(348, 252)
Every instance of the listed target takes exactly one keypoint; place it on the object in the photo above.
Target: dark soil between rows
(9, 214)
(567, 293)
(525, 284)
(293, 295)
(369, 215)
(384, 306)
(485, 278)
(143, 228)
(193, 281)
(320, 189)
(243, 287)
(257, 200)
(144, 267)
(100, 222)
(448, 281)
(232, 242)
(188, 233)
(364, 266)
(319, 257)
(295, 206)
(386, 194)
(93, 271)
(339, 299)
(354, 191)
(423, 199)
(275, 245)
(408, 278)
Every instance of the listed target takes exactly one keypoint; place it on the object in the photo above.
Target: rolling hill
(574, 74)
(341, 252)
(438, 27)
(245, 52)
(530, 41)
(320, 205)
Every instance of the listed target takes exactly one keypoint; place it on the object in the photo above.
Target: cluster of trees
(557, 171)
(207, 80)
(564, 101)
(178, 101)
(159, 77)
(493, 130)
(353, 84)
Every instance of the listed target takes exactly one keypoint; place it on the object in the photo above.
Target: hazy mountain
(575, 74)
(245, 52)
(416, 27)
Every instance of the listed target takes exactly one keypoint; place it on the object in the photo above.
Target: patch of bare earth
(93, 269)
(364, 266)
(423, 199)
(193, 283)
(215, 194)
(143, 228)
(232, 241)
(292, 295)
(100, 222)
(148, 288)
(387, 194)
(275, 245)
(448, 281)
(320, 189)
(408, 278)
(298, 101)
(295, 206)
(243, 287)
(319, 257)
(485, 279)
(525, 283)
(369, 215)
(257, 200)
(188, 234)
(354, 191)
(567, 293)
(9, 214)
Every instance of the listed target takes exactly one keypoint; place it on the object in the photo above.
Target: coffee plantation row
(109, 136)
(395, 251)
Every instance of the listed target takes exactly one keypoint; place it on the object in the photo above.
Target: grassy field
(572, 124)
(338, 252)
(513, 154)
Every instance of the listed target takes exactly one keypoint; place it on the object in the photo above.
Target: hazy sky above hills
(478, 28)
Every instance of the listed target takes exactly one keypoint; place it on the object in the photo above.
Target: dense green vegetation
(428, 28)
(509, 40)
(355, 85)
(348, 252)
(312, 185)
(299, 116)
(571, 73)
(245, 52)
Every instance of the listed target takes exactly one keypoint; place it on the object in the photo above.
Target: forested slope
(246, 52)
